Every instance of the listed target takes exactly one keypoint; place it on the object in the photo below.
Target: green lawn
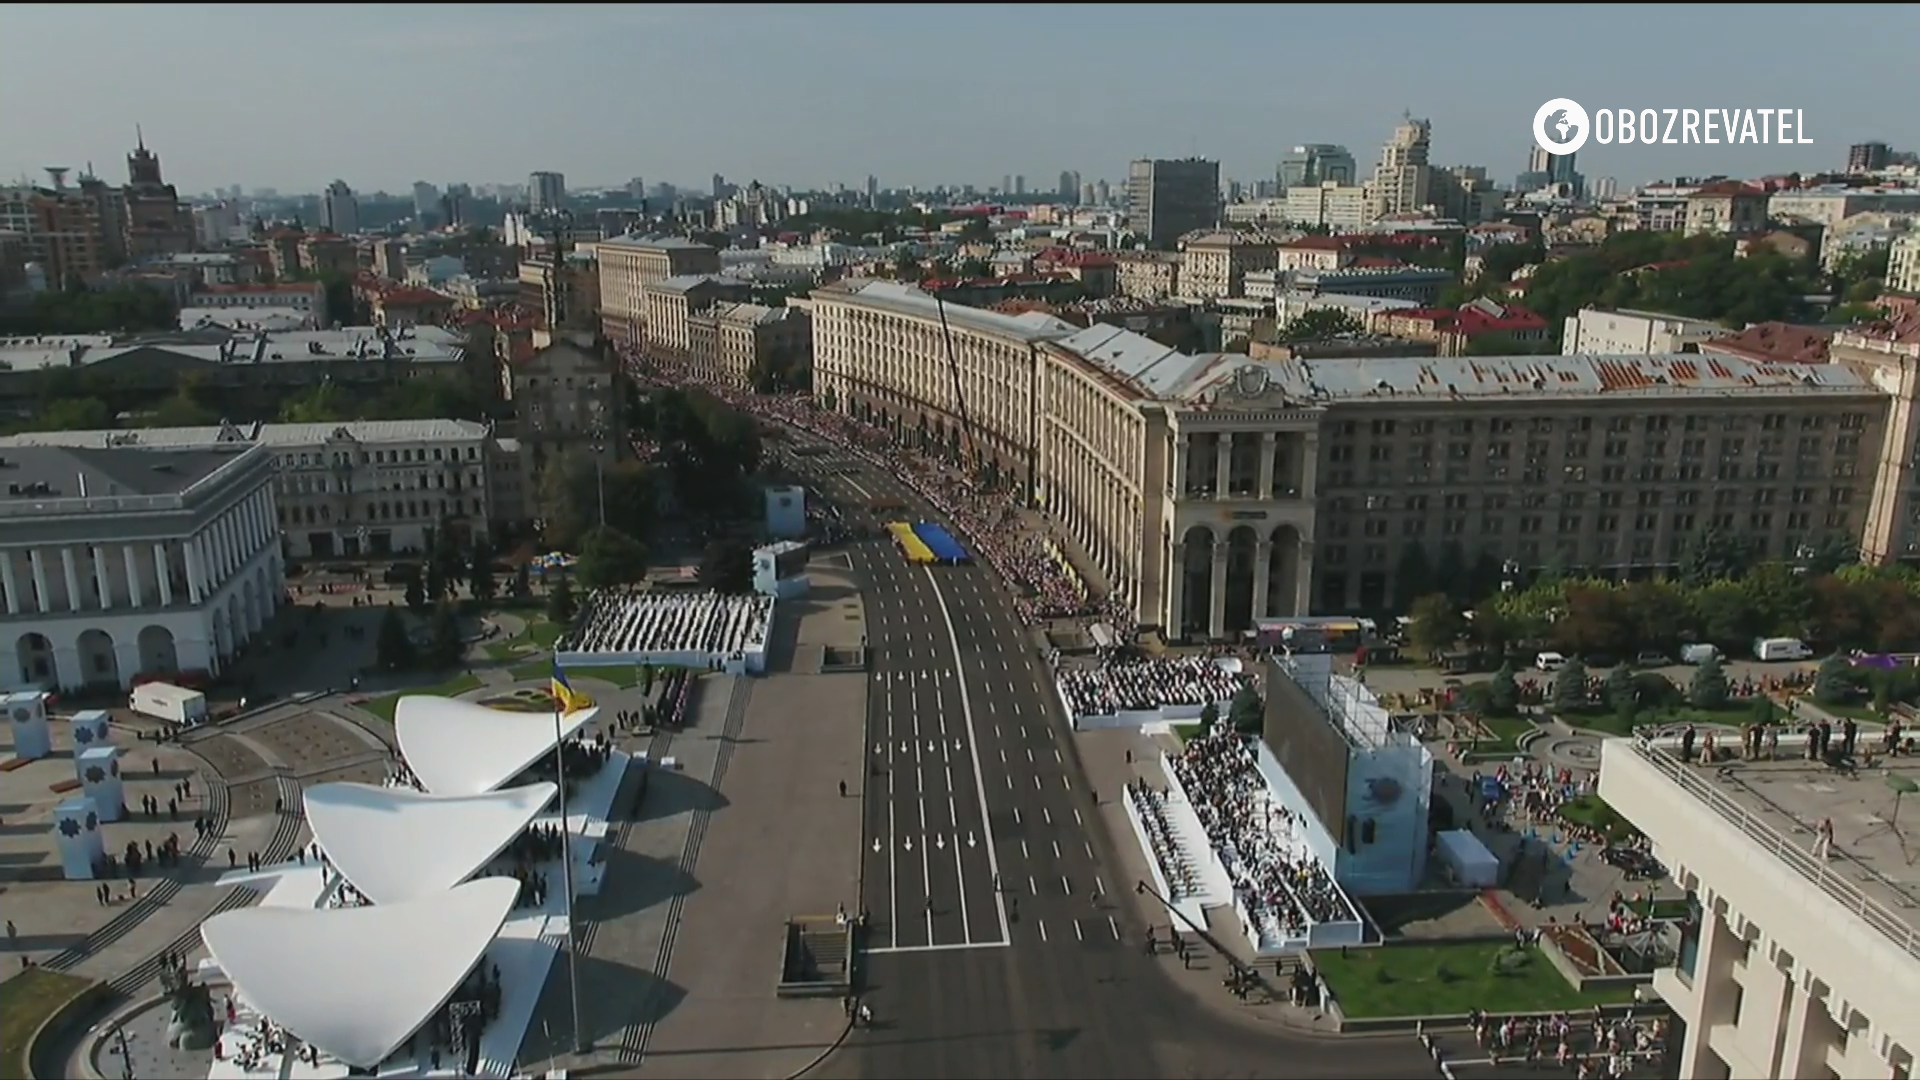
(383, 705)
(1592, 812)
(539, 634)
(1612, 723)
(621, 675)
(1186, 732)
(26, 1001)
(1446, 978)
(1507, 733)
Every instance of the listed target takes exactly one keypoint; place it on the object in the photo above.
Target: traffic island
(1401, 986)
(34, 1006)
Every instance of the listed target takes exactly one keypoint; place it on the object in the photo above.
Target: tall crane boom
(970, 450)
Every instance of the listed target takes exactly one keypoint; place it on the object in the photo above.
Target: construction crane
(970, 442)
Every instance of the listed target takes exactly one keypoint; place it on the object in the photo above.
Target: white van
(1773, 649)
(1699, 653)
(1549, 661)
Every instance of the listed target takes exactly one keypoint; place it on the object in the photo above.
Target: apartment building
(305, 299)
(671, 303)
(1215, 266)
(1415, 283)
(1340, 207)
(1903, 263)
(1795, 962)
(1144, 275)
(1212, 490)
(123, 562)
(1169, 199)
(880, 352)
(734, 343)
(628, 265)
(363, 487)
(565, 394)
(1600, 332)
(1727, 207)
(1830, 205)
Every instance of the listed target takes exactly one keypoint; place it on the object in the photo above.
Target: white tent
(355, 982)
(1473, 865)
(460, 748)
(397, 844)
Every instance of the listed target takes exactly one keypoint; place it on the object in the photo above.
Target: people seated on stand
(619, 622)
(1283, 887)
(1152, 806)
(1148, 685)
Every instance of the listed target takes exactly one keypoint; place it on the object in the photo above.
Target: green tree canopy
(727, 568)
(1708, 690)
(1570, 687)
(609, 557)
(1437, 624)
(561, 603)
(1320, 324)
(122, 308)
(393, 649)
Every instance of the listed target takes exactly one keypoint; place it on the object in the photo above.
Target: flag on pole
(570, 700)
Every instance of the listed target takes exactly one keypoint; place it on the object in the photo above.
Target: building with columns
(1214, 490)
(122, 562)
(352, 489)
(1793, 961)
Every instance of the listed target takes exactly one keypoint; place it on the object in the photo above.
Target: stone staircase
(819, 959)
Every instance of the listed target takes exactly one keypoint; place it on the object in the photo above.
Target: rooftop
(75, 472)
(656, 243)
(1776, 342)
(685, 282)
(422, 344)
(1790, 797)
(271, 435)
(1032, 327)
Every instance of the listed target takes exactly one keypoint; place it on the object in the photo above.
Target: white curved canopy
(460, 748)
(355, 982)
(397, 844)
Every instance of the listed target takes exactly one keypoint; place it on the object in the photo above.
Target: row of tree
(1854, 607)
(428, 397)
(84, 311)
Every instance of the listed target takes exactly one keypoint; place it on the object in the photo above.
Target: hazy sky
(293, 95)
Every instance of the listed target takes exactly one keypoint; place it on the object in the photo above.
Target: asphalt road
(1044, 976)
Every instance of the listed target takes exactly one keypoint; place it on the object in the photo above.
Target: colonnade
(1222, 584)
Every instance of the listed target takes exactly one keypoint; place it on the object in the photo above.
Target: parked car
(1549, 661)
(1700, 652)
(1651, 658)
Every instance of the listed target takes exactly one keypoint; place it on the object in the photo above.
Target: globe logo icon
(1561, 126)
(69, 828)
(83, 735)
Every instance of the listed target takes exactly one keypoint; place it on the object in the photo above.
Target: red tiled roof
(1729, 187)
(1475, 319)
(1776, 343)
(1060, 256)
(1317, 243)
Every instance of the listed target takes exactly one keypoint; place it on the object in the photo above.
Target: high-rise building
(1314, 164)
(1560, 170)
(1006, 184)
(339, 210)
(1403, 176)
(637, 189)
(1090, 194)
(1103, 193)
(873, 190)
(1167, 199)
(426, 199)
(1605, 188)
(1069, 187)
(155, 221)
(1868, 157)
(1019, 185)
(546, 192)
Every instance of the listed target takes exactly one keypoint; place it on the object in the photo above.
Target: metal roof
(269, 435)
(1030, 327)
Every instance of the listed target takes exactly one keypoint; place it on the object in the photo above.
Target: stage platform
(525, 950)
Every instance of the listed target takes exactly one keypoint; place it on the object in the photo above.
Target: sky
(292, 96)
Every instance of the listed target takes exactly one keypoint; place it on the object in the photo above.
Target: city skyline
(896, 108)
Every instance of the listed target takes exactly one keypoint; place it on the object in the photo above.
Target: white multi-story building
(1903, 264)
(365, 487)
(1796, 961)
(120, 562)
(1595, 331)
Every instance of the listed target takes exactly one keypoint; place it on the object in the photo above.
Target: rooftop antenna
(58, 174)
(139, 137)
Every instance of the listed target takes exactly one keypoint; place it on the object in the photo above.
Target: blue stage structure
(941, 542)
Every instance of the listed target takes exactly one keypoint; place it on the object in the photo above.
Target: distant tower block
(26, 715)
(76, 828)
(786, 512)
(90, 729)
(100, 781)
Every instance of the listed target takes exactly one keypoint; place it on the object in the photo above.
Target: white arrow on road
(970, 840)
(909, 843)
(876, 845)
(932, 746)
(903, 746)
(940, 841)
(956, 744)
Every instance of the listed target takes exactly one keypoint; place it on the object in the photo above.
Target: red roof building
(1776, 343)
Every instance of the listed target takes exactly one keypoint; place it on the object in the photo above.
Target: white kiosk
(780, 570)
(99, 770)
(26, 714)
(786, 512)
(91, 728)
(76, 829)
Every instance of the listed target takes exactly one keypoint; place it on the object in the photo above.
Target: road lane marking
(954, 947)
(1088, 844)
(1042, 924)
(1066, 884)
(1077, 935)
(1076, 817)
(1003, 757)
(893, 876)
(1047, 814)
(973, 745)
(1114, 926)
(1036, 781)
(1056, 756)
(960, 876)
(1016, 815)
(1099, 887)
(1029, 753)
(1066, 783)
(1056, 849)
(1023, 850)
(926, 876)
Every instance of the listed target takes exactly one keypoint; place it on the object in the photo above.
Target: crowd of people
(990, 525)
(613, 621)
(524, 859)
(1281, 886)
(1148, 685)
(1601, 1046)
(1151, 805)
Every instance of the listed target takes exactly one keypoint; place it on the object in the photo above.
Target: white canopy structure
(355, 982)
(396, 844)
(460, 748)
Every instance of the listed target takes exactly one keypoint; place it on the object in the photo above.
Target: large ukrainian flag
(570, 700)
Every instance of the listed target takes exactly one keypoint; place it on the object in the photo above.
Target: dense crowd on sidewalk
(1148, 686)
(988, 522)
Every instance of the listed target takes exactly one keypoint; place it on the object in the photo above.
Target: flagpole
(566, 862)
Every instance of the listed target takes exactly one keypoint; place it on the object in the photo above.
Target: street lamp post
(599, 433)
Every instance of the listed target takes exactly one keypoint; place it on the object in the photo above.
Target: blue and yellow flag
(570, 700)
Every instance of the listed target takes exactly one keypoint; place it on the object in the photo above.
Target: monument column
(163, 574)
(43, 600)
(72, 577)
(1217, 609)
(1264, 491)
(8, 583)
(131, 562)
(100, 579)
(1177, 593)
(196, 581)
(1262, 568)
(1303, 579)
(1222, 463)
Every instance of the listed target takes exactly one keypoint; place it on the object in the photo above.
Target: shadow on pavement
(668, 792)
(635, 882)
(613, 998)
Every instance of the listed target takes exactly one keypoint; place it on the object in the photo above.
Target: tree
(1619, 686)
(1320, 324)
(974, 268)
(392, 648)
(609, 557)
(1503, 692)
(436, 587)
(480, 580)
(522, 585)
(1712, 555)
(1209, 718)
(1834, 682)
(70, 414)
(1247, 712)
(447, 557)
(1708, 690)
(135, 306)
(1413, 576)
(1570, 687)
(727, 568)
(415, 590)
(561, 603)
(444, 646)
(1437, 624)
